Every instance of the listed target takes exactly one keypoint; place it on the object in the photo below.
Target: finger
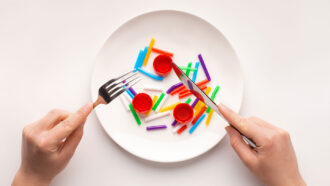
(52, 118)
(245, 153)
(66, 127)
(261, 123)
(249, 129)
(73, 140)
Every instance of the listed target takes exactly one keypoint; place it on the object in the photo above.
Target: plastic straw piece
(137, 63)
(156, 116)
(170, 107)
(188, 100)
(174, 87)
(198, 115)
(154, 99)
(124, 102)
(208, 119)
(149, 51)
(162, 52)
(204, 67)
(195, 72)
(130, 93)
(174, 123)
(194, 103)
(192, 129)
(175, 129)
(162, 102)
(128, 98)
(158, 101)
(181, 129)
(198, 107)
(136, 117)
(155, 127)
(214, 93)
(152, 88)
(189, 93)
(153, 76)
(188, 68)
(182, 87)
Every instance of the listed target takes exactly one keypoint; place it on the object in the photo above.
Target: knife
(194, 89)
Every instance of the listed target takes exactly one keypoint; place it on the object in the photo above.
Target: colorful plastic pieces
(156, 127)
(195, 72)
(204, 67)
(185, 116)
(148, 51)
(214, 93)
(136, 117)
(162, 51)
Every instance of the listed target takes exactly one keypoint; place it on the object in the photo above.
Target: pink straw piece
(156, 127)
(204, 67)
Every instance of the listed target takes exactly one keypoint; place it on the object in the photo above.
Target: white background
(47, 50)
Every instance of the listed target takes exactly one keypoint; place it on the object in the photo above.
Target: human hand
(49, 144)
(273, 161)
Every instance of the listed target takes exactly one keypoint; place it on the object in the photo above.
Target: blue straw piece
(143, 56)
(153, 76)
(195, 72)
(137, 63)
(192, 129)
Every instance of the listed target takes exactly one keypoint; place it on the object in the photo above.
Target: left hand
(49, 144)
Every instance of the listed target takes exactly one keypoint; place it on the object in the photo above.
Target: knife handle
(247, 140)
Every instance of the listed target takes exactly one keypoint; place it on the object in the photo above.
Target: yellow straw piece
(171, 107)
(209, 117)
(153, 102)
(197, 109)
(149, 51)
(200, 104)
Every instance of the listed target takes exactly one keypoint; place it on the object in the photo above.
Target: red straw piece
(188, 93)
(162, 51)
(199, 115)
(177, 90)
(183, 88)
(181, 129)
(185, 91)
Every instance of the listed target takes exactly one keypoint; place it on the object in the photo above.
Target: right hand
(273, 161)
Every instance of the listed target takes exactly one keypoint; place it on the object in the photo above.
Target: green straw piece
(158, 101)
(214, 93)
(188, 100)
(188, 70)
(136, 117)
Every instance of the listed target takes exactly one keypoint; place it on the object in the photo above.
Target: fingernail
(222, 106)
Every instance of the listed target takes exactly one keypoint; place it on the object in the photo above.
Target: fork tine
(113, 90)
(112, 80)
(123, 90)
(121, 81)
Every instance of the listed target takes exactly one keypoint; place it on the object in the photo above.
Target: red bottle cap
(183, 113)
(162, 64)
(142, 103)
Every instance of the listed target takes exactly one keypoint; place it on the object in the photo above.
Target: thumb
(67, 126)
(245, 153)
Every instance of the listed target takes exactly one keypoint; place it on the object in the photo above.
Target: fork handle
(99, 100)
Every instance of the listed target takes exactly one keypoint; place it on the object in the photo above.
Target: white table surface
(47, 50)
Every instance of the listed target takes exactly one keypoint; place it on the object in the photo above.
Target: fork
(116, 86)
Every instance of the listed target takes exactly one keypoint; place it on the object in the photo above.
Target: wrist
(24, 178)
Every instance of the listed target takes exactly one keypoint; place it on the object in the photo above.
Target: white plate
(186, 36)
